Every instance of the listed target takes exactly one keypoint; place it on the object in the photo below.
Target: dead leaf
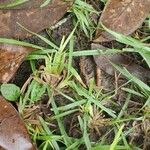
(26, 5)
(13, 134)
(103, 62)
(35, 19)
(123, 16)
(11, 56)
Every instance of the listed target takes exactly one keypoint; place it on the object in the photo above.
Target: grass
(93, 109)
(82, 11)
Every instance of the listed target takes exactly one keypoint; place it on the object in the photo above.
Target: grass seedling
(82, 12)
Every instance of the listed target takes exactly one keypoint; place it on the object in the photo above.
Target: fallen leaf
(13, 134)
(28, 4)
(34, 19)
(11, 56)
(103, 62)
(123, 16)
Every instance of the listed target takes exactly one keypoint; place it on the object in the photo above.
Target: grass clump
(92, 108)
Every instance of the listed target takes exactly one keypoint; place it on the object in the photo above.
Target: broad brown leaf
(26, 5)
(103, 62)
(11, 56)
(34, 19)
(13, 134)
(123, 16)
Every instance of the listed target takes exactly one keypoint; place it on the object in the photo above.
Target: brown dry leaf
(34, 19)
(123, 16)
(13, 134)
(103, 62)
(27, 5)
(11, 56)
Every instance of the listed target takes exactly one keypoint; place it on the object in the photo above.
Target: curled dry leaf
(34, 19)
(11, 56)
(103, 62)
(13, 134)
(123, 16)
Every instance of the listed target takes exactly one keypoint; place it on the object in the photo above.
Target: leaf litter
(11, 56)
(101, 36)
(34, 19)
(13, 133)
(123, 17)
(25, 4)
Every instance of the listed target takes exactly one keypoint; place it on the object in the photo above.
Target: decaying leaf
(123, 16)
(11, 56)
(34, 19)
(103, 62)
(13, 4)
(13, 134)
